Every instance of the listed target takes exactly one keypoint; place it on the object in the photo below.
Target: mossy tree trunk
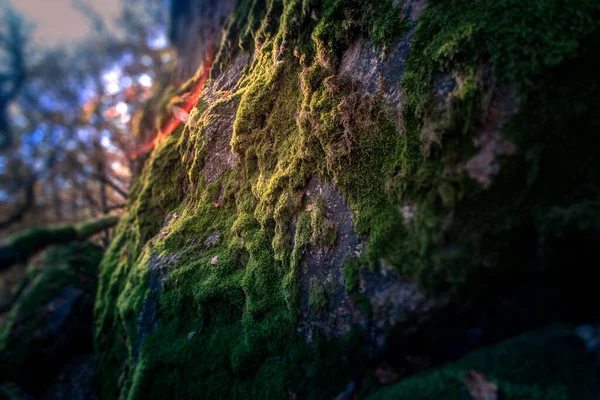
(21, 246)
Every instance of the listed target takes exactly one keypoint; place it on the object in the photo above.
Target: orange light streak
(173, 122)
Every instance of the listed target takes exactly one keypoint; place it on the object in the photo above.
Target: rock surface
(368, 190)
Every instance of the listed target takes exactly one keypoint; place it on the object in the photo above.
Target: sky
(57, 21)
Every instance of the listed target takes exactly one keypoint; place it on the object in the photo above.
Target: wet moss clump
(200, 290)
(547, 364)
(462, 231)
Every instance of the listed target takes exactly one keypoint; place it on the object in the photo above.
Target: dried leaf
(175, 215)
(480, 388)
(163, 233)
(83, 279)
(217, 205)
(385, 374)
(225, 95)
(124, 255)
(191, 335)
(180, 114)
(309, 207)
(214, 260)
(192, 122)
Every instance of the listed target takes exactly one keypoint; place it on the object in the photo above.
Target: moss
(12, 391)
(342, 21)
(548, 364)
(317, 298)
(23, 245)
(243, 309)
(457, 222)
(297, 120)
(352, 274)
(87, 229)
(23, 342)
(324, 230)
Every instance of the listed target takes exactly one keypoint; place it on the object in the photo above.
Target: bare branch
(116, 207)
(87, 11)
(28, 203)
(108, 182)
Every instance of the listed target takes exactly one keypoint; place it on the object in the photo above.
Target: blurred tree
(12, 66)
(67, 126)
(13, 72)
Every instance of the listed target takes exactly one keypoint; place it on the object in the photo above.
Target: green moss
(33, 240)
(317, 298)
(548, 364)
(457, 222)
(352, 274)
(12, 391)
(242, 309)
(23, 245)
(227, 312)
(87, 229)
(324, 230)
(342, 21)
(23, 346)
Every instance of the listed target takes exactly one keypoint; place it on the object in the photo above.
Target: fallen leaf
(163, 233)
(480, 388)
(309, 207)
(418, 362)
(225, 95)
(192, 123)
(214, 260)
(175, 215)
(385, 374)
(217, 205)
(124, 255)
(191, 335)
(180, 114)
(82, 279)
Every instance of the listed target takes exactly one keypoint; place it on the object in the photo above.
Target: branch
(21, 246)
(89, 12)
(6, 134)
(110, 183)
(116, 207)
(16, 296)
(94, 175)
(26, 206)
